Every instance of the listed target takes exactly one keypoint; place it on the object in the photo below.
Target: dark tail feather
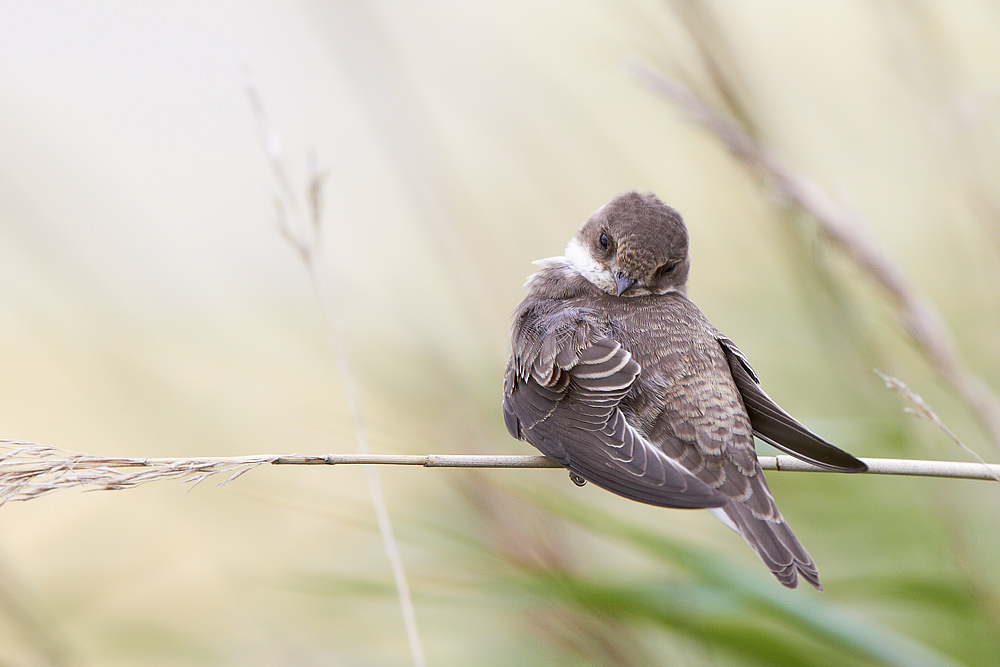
(775, 544)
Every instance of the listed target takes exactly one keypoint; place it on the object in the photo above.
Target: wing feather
(562, 393)
(775, 426)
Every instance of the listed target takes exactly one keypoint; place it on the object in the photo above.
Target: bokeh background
(149, 307)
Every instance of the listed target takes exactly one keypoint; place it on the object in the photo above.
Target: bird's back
(684, 400)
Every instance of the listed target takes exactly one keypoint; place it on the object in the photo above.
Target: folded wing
(562, 390)
(775, 426)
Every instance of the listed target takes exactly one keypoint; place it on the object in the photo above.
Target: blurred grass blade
(795, 610)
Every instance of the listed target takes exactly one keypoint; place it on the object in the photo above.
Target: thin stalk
(301, 225)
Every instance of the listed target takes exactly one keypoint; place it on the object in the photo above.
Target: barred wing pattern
(561, 394)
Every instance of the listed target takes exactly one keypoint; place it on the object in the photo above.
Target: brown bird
(618, 376)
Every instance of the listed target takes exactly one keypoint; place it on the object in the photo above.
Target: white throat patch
(598, 274)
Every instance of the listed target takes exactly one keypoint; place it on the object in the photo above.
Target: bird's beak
(623, 282)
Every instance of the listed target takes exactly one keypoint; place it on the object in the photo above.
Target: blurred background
(149, 307)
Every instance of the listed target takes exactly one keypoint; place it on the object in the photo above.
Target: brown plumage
(616, 375)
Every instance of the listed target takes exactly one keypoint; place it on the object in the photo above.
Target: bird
(616, 374)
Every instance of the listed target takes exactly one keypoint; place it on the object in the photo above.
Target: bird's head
(633, 245)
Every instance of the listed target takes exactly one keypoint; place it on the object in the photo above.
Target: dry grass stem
(921, 410)
(849, 231)
(29, 470)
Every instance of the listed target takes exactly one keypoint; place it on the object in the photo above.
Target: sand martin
(618, 376)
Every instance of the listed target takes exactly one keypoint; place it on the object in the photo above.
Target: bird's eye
(603, 240)
(667, 269)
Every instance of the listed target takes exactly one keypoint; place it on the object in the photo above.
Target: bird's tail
(774, 542)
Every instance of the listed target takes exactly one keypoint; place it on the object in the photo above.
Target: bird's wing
(562, 392)
(693, 408)
(775, 426)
